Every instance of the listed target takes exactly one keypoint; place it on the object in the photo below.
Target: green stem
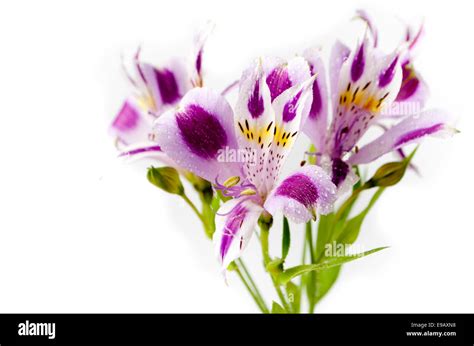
(198, 213)
(241, 264)
(193, 207)
(312, 275)
(264, 233)
(259, 303)
(309, 239)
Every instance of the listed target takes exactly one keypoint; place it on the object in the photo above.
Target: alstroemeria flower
(274, 101)
(365, 82)
(155, 90)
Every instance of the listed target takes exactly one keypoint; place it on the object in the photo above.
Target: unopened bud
(166, 178)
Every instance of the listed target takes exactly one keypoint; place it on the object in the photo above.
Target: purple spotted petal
(254, 123)
(235, 224)
(198, 135)
(410, 130)
(339, 54)
(146, 151)
(166, 84)
(255, 102)
(408, 89)
(290, 108)
(282, 75)
(413, 91)
(278, 80)
(339, 171)
(201, 131)
(199, 45)
(303, 194)
(131, 125)
(362, 14)
(316, 124)
(386, 76)
(291, 111)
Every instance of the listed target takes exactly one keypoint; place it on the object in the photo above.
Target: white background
(81, 231)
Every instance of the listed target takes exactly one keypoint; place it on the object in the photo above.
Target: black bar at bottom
(208, 329)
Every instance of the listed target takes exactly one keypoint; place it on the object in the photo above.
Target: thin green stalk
(264, 233)
(193, 207)
(309, 238)
(241, 264)
(198, 213)
(262, 307)
(311, 288)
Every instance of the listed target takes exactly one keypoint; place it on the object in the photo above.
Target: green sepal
(275, 266)
(232, 266)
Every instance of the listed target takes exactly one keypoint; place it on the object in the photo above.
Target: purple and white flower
(364, 83)
(274, 101)
(155, 90)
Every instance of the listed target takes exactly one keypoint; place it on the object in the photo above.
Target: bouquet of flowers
(232, 154)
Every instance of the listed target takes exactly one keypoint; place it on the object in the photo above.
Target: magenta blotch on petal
(255, 103)
(127, 118)
(387, 75)
(316, 106)
(201, 131)
(300, 188)
(236, 220)
(408, 89)
(302, 194)
(278, 81)
(339, 171)
(418, 133)
(358, 64)
(231, 227)
(412, 129)
(167, 86)
(291, 107)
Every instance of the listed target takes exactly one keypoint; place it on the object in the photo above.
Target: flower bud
(388, 174)
(166, 178)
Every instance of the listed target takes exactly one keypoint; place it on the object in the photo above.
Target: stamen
(248, 192)
(232, 181)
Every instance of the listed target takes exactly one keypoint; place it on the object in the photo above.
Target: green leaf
(329, 262)
(166, 178)
(325, 279)
(325, 228)
(286, 239)
(277, 308)
(351, 230)
(311, 284)
(293, 293)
